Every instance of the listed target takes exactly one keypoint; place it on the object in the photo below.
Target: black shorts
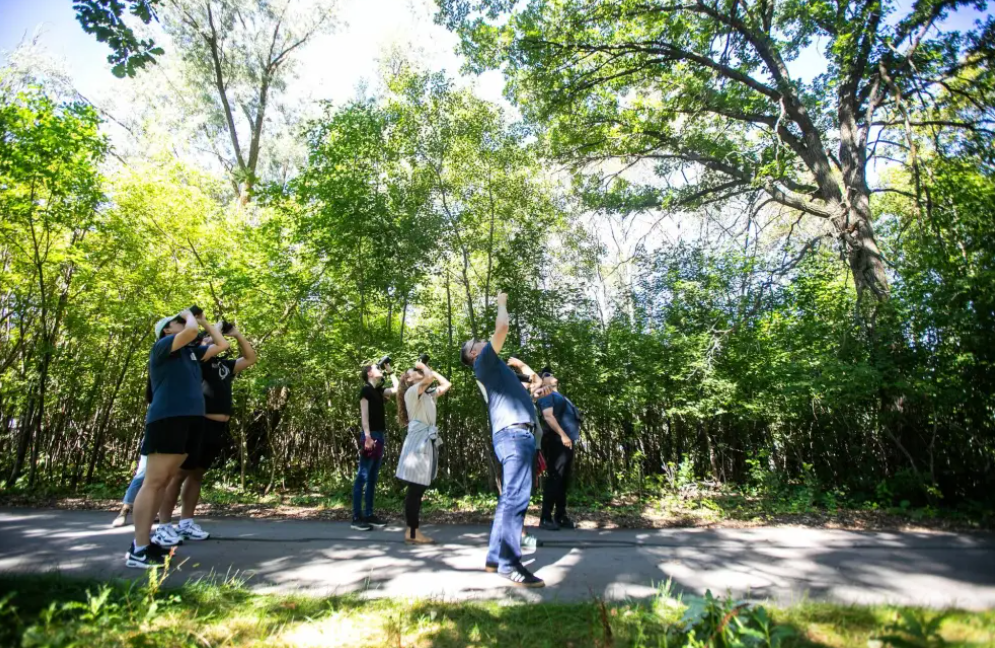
(174, 435)
(214, 436)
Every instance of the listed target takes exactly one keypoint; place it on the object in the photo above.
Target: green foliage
(726, 623)
(104, 19)
(718, 378)
(914, 629)
(58, 611)
(711, 93)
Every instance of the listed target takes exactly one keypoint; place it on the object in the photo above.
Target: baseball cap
(163, 323)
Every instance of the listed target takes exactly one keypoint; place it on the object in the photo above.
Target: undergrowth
(59, 612)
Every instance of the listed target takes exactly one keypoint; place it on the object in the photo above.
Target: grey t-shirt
(508, 402)
(176, 380)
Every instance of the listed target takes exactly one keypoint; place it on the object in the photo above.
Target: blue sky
(332, 67)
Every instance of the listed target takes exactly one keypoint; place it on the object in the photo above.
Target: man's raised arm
(502, 323)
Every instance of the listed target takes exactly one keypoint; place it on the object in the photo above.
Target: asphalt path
(783, 564)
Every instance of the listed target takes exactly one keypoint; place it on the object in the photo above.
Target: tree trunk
(99, 442)
(853, 225)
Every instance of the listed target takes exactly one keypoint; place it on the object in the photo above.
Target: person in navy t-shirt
(513, 422)
(561, 431)
(174, 422)
(218, 373)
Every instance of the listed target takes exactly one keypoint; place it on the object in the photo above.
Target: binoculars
(226, 327)
(423, 358)
(383, 362)
(196, 311)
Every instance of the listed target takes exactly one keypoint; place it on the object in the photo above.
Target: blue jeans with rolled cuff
(515, 449)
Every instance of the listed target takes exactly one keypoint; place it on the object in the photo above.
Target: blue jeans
(515, 449)
(136, 483)
(369, 470)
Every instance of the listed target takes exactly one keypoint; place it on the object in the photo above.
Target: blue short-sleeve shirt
(508, 402)
(176, 380)
(566, 413)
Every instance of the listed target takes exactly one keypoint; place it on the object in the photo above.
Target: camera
(423, 358)
(226, 327)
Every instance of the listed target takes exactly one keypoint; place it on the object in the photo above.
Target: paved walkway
(783, 564)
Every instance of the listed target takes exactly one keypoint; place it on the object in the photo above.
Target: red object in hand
(540, 463)
(374, 452)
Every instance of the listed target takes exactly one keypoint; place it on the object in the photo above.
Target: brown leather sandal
(419, 539)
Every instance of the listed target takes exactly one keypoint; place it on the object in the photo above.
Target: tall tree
(49, 193)
(242, 53)
(704, 88)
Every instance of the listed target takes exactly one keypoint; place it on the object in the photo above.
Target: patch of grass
(57, 611)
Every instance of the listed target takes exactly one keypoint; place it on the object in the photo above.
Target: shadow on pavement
(937, 570)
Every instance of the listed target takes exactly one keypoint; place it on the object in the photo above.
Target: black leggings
(412, 505)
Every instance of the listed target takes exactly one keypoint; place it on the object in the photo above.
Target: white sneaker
(164, 536)
(191, 531)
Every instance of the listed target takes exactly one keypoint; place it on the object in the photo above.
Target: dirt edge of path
(585, 518)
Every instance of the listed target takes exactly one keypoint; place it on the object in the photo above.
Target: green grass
(57, 611)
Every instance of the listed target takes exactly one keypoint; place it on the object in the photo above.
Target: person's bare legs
(161, 468)
(191, 492)
(171, 495)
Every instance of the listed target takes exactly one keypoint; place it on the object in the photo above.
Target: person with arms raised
(513, 425)
(174, 423)
(218, 374)
(419, 461)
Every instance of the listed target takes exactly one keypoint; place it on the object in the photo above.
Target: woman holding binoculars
(419, 461)
(371, 443)
(174, 424)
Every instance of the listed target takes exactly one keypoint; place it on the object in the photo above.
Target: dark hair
(364, 373)
(464, 354)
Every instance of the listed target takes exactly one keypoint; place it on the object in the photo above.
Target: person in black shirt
(218, 374)
(371, 407)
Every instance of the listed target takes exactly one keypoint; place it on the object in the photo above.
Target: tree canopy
(706, 93)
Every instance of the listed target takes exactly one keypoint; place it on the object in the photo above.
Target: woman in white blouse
(419, 460)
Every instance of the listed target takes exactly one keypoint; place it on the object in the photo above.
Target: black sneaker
(566, 523)
(360, 525)
(522, 577)
(151, 556)
(375, 521)
(549, 525)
